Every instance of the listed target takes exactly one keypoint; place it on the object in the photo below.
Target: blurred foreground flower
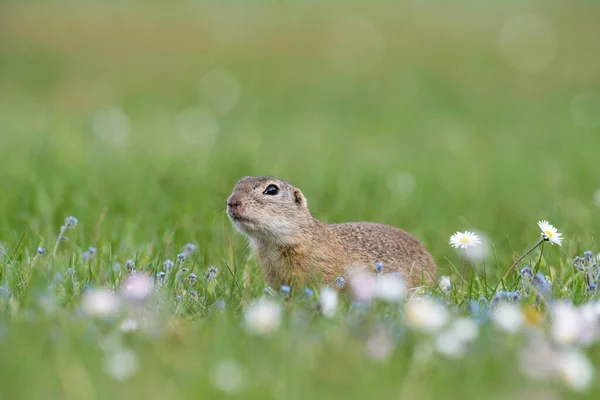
(100, 303)
(121, 364)
(452, 342)
(137, 287)
(263, 316)
(379, 345)
(426, 315)
(508, 317)
(128, 325)
(328, 300)
(573, 325)
(229, 376)
(390, 288)
(575, 369)
(366, 287)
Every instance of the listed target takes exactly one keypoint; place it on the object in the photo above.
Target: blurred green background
(428, 116)
(139, 117)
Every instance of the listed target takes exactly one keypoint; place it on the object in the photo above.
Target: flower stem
(465, 267)
(522, 257)
(60, 236)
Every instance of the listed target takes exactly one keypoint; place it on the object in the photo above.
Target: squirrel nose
(234, 202)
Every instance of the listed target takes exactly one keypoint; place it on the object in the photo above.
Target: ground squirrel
(295, 248)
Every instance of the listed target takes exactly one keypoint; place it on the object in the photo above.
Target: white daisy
(550, 233)
(464, 240)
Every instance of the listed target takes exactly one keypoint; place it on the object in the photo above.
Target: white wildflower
(445, 284)
(508, 317)
(566, 323)
(575, 370)
(121, 364)
(328, 300)
(263, 316)
(450, 345)
(100, 303)
(464, 240)
(426, 315)
(228, 376)
(137, 287)
(550, 233)
(362, 285)
(390, 288)
(128, 325)
(379, 345)
(465, 329)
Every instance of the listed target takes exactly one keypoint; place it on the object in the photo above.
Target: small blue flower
(130, 265)
(579, 263)
(89, 253)
(285, 289)
(503, 295)
(590, 282)
(479, 310)
(70, 272)
(595, 270)
(71, 222)
(168, 265)
(526, 274)
(194, 293)
(220, 305)
(4, 292)
(308, 292)
(379, 267)
(192, 278)
(41, 251)
(211, 273)
(340, 282)
(592, 287)
(189, 248)
(181, 258)
(589, 256)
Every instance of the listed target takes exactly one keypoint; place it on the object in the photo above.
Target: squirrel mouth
(237, 217)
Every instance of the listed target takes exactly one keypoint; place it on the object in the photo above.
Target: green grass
(477, 144)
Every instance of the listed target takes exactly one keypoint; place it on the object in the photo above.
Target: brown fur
(294, 248)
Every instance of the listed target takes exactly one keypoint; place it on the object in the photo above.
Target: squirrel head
(267, 207)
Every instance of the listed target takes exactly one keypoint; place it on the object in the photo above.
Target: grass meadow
(138, 118)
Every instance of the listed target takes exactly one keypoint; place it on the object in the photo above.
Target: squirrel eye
(271, 190)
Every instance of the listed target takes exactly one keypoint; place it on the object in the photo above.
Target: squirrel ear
(299, 198)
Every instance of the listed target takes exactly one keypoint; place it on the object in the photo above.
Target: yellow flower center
(464, 240)
(549, 234)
